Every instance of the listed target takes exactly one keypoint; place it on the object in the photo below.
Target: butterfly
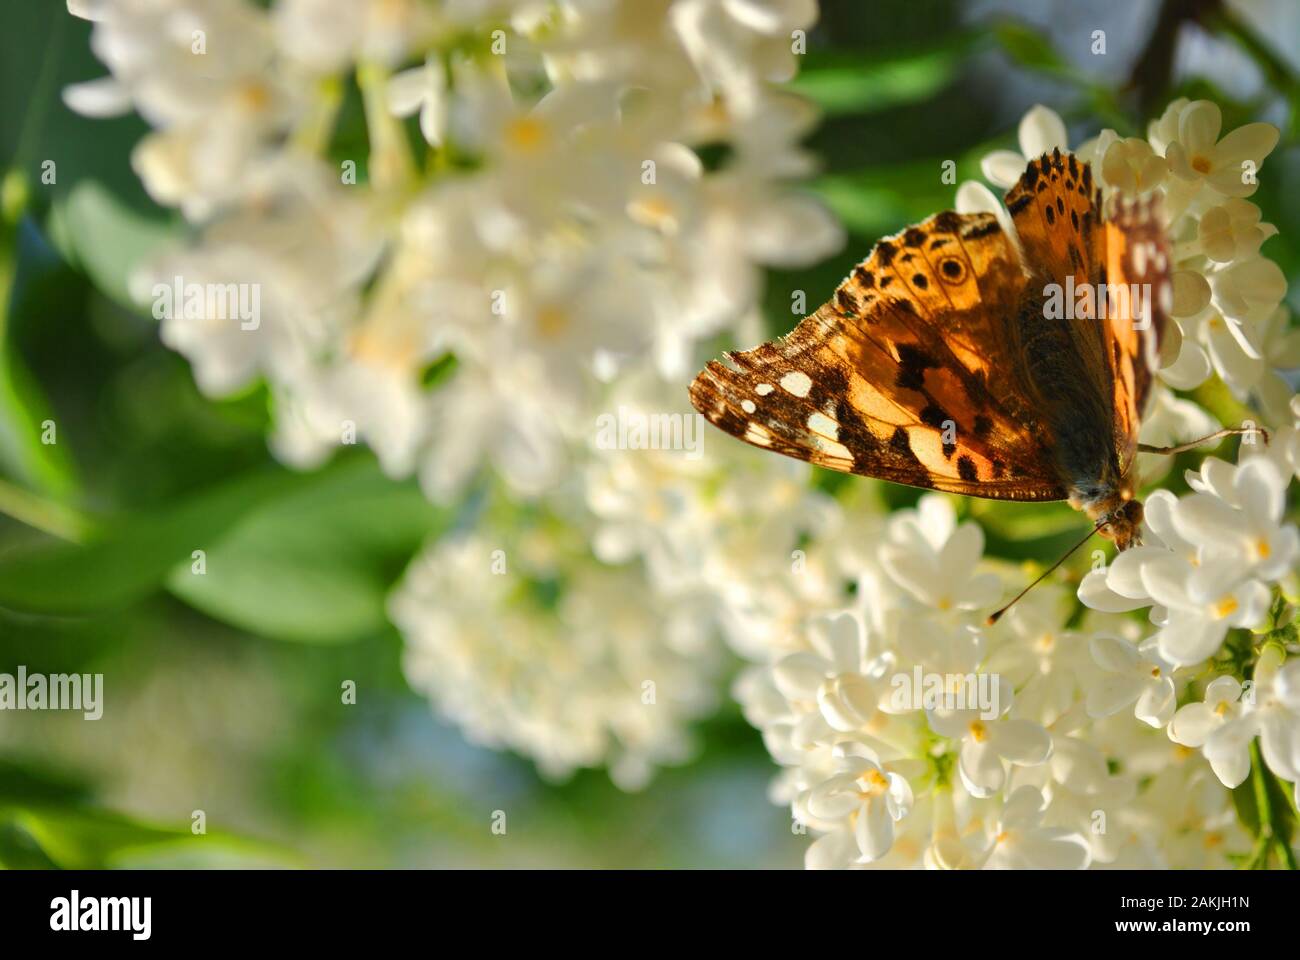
(966, 357)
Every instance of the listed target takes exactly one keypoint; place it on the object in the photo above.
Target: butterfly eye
(952, 270)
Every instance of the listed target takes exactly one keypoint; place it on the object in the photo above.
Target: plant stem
(1268, 834)
(391, 165)
(41, 514)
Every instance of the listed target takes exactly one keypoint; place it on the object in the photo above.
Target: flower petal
(1041, 131)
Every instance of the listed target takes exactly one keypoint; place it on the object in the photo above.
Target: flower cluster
(556, 226)
(912, 735)
(556, 203)
(558, 658)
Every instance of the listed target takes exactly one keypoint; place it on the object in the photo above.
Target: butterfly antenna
(1250, 432)
(995, 617)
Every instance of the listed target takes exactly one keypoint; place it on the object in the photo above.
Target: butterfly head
(1120, 519)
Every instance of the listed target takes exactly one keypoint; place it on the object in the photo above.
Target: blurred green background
(226, 699)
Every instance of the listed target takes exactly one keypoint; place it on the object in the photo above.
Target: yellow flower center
(388, 347)
(552, 321)
(1225, 607)
(979, 733)
(1262, 549)
(655, 212)
(1155, 673)
(1200, 164)
(254, 97)
(526, 134)
(874, 783)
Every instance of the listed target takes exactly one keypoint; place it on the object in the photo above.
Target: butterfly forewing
(906, 374)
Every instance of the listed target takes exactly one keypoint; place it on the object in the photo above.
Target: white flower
(1203, 605)
(934, 559)
(863, 799)
(1164, 130)
(837, 676)
(566, 689)
(476, 419)
(1232, 716)
(1134, 676)
(986, 742)
(1043, 661)
(1246, 290)
(1199, 155)
(1041, 131)
(1242, 526)
(1196, 724)
(1275, 714)
(1232, 230)
(1131, 166)
(1208, 561)
(422, 89)
(327, 35)
(1021, 842)
(1280, 344)
(1169, 421)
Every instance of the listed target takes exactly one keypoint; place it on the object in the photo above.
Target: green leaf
(877, 200)
(31, 781)
(106, 238)
(73, 838)
(314, 566)
(1243, 798)
(24, 260)
(1030, 49)
(134, 555)
(847, 86)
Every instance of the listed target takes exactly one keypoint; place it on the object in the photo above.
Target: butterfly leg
(1219, 435)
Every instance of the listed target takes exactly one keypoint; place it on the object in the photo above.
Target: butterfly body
(940, 363)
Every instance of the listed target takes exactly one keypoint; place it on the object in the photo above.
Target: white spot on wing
(747, 406)
(763, 389)
(821, 424)
(797, 383)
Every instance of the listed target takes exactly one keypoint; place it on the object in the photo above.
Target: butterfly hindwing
(1114, 272)
(909, 373)
(1137, 261)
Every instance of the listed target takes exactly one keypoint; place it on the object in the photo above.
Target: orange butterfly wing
(937, 363)
(1137, 253)
(1058, 216)
(908, 374)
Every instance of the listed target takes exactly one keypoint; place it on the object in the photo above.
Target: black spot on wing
(975, 231)
(947, 221)
(912, 364)
(904, 463)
